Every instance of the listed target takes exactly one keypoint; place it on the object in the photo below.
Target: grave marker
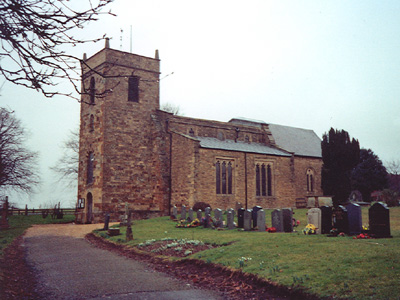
(199, 215)
(277, 220)
(355, 218)
(287, 214)
(230, 219)
(340, 219)
(254, 215)
(326, 219)
(240, 217)
(183, 212)
(190, 215)
(247, 220)
(314, 217)
(218, 217)
(261, 220)
(379, 220)
(175, 212)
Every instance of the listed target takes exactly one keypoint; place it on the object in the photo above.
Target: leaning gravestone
(240, 217)
(287, 214)
(254, 215)
(230, 219)
(340, 219)
(175, 212)
(355, 218)
(190, 215)
(247, 220)
(183, 212)
(379, 220)
(326, 219)
(277, 220)
(261, 220)
(314, 217)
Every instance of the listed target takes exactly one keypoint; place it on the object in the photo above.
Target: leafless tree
(67, 165)
(18, 165)
(393, 167)
(32, 34)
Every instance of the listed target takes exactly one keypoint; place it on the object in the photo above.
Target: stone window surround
(270, 192)
(230, 184)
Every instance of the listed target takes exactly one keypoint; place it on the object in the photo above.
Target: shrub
(200, 205)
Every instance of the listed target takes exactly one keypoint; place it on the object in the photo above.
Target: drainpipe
(170, 168)
(245, 177)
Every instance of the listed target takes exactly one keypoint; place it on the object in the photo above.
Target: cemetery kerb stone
(254, 215)
(326, 219)
(340, 219)
(230, 219)
(261, 220)
(379, 220)
(355, 218)
(240, 217)
(277, 220)
(287, 214)
(183, 212)
(247, 220)
(314, 217)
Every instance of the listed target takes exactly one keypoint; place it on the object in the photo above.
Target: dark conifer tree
(340, 155)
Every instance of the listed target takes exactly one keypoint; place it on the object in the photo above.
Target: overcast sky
(309, 64)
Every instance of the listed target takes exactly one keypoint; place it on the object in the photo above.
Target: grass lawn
(327, 266)
(18, 224)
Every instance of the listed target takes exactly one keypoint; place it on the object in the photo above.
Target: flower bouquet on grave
(186, 224)
(362, 236)
(271, 229)
(310, 229)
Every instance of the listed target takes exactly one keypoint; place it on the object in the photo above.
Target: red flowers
(271, 229)
(362, 236)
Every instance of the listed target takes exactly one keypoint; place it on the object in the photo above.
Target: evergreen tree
(340, 155)
(369, 175)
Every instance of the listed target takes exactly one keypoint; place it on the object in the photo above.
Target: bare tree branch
(31, 34)
(18, 165)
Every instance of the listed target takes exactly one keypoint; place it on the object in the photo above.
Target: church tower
(120, 137)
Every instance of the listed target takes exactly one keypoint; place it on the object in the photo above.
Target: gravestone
(183, 212)
(230, 219)
(240, 217)
(218, 217)
(314, 217)
(287, 214)
(379, 220)
(129, 234)
(199, 215)
(207, 217)
(106, 221)
(326, 219)
(247, 220)
(261, 220)
(190, 215)
(277, 220)
(175, 212)
(254, 215)
(340, 219)
(355, 218)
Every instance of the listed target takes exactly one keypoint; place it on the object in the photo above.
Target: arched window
(263, 179)
(92, 90)
(91, 123)
(310, 180)
(224, 177)
(90, 167)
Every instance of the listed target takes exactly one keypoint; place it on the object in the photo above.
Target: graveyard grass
(340, 267)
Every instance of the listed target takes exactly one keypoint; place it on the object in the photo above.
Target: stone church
(133, 152)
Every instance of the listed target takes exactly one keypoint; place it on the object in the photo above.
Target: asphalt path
(68, 267)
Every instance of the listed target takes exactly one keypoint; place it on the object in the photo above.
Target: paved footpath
(68, 267)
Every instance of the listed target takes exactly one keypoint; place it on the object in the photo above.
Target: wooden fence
(33, 211)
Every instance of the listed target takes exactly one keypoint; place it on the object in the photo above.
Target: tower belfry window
(133, 89)
(92, 90)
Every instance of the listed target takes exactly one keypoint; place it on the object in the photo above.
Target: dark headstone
(277, 220)
(326, 219)
(254, 215)
(355, 218)
(106, 222)
(230, 219)
(379, 220)
(287, 214)
(340, 219)
(240, 217)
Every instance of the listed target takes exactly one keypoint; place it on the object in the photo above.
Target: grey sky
(309, 64)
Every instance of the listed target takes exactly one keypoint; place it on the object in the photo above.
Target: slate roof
(213, 143)
(302, 142)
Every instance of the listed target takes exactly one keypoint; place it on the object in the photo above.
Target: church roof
(302, 142)
(231, 145)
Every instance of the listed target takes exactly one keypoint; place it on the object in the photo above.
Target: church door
(89, 214)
